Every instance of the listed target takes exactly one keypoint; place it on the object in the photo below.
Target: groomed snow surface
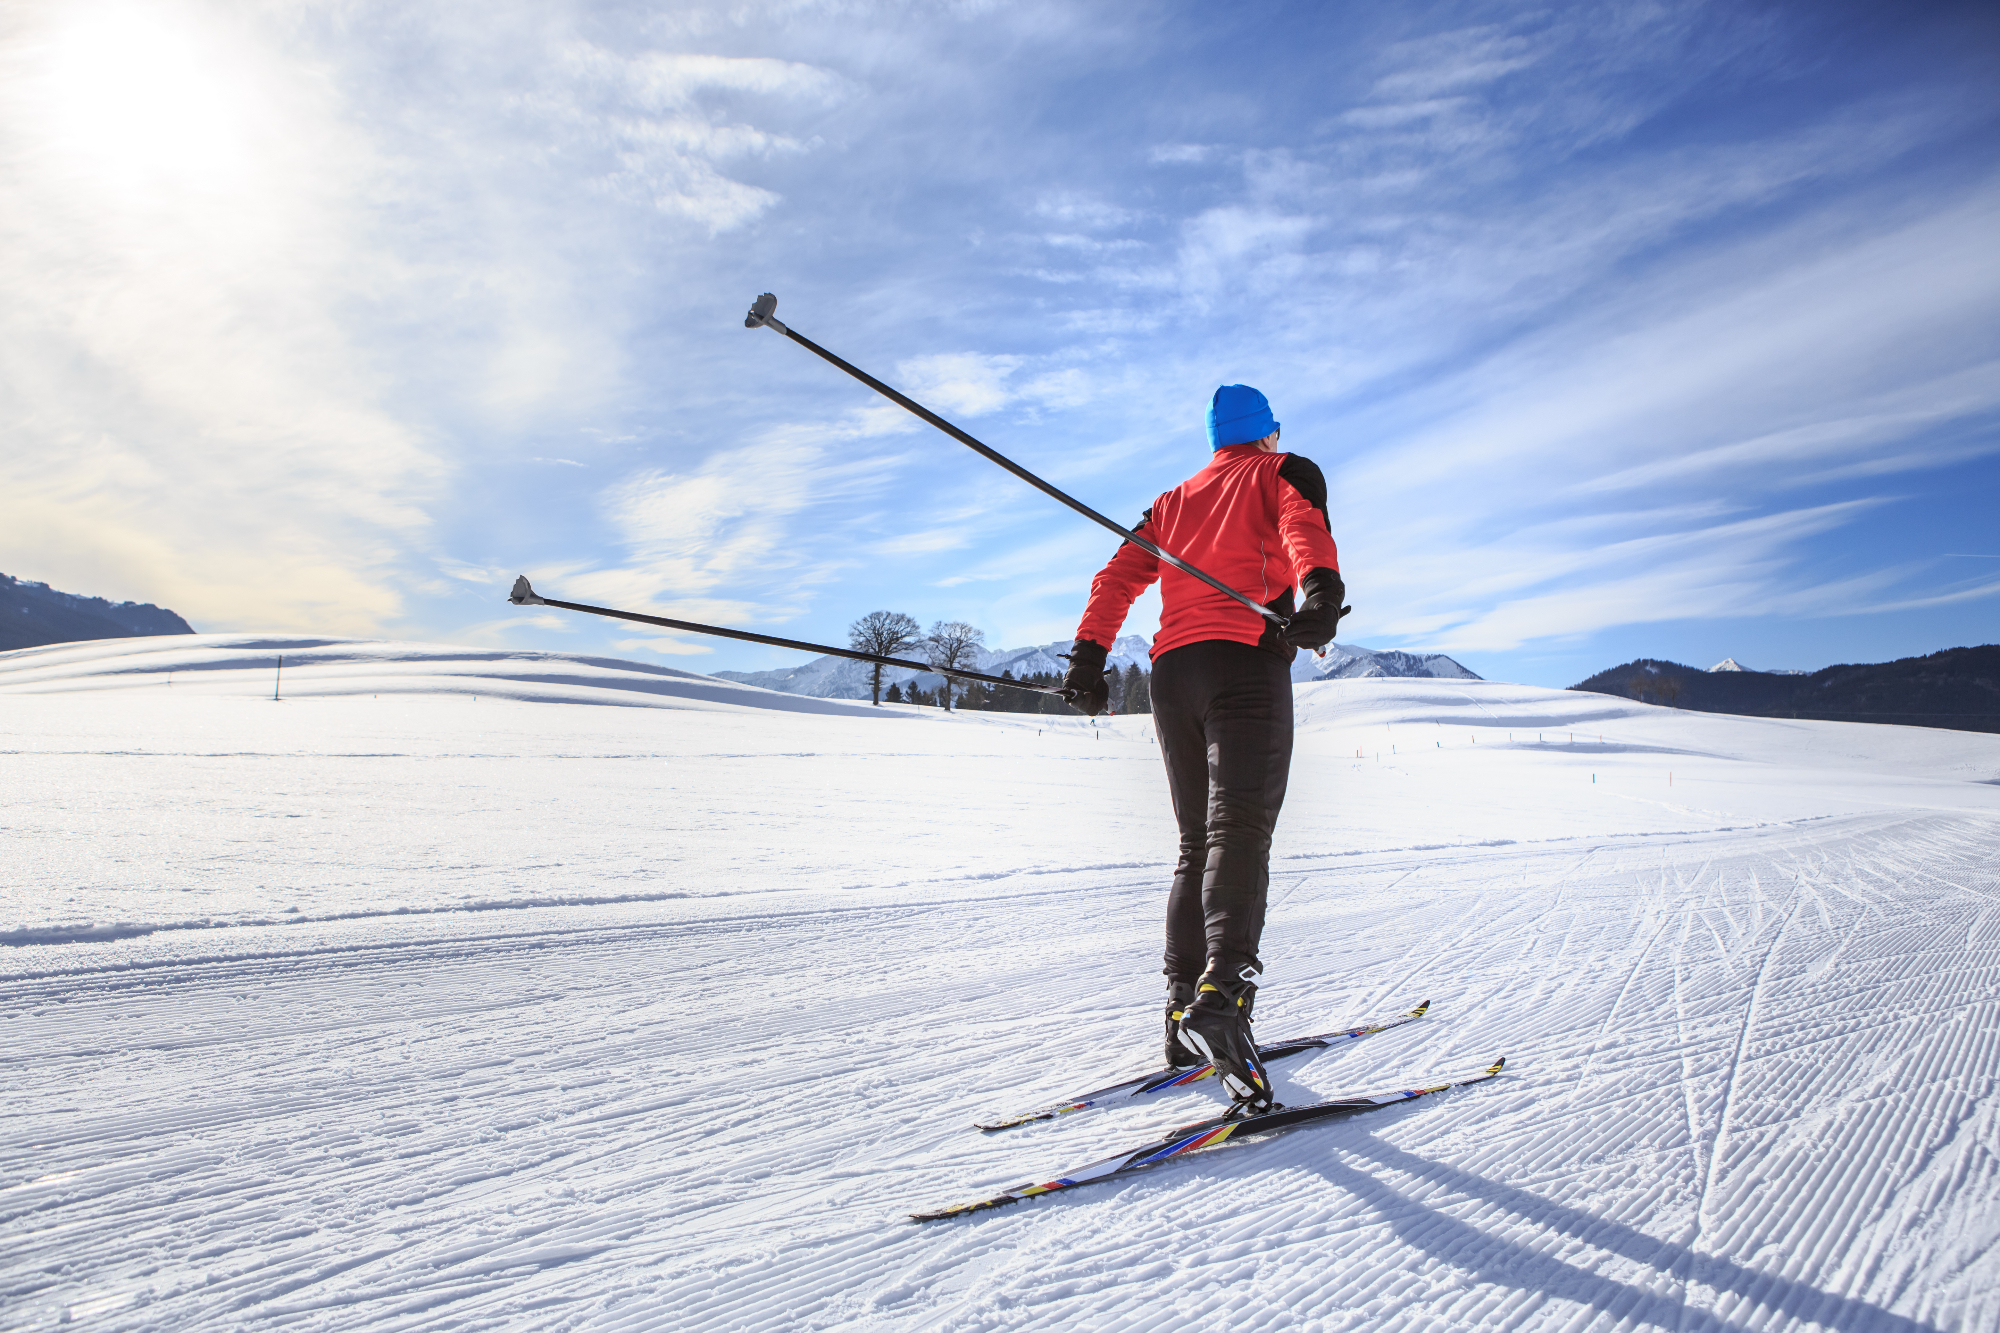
(437, 995)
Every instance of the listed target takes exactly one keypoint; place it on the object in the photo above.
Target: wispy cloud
(226, 385)
(1829, 364)
(322, 317)
(645, 113)
(734, 522)
(188, 419)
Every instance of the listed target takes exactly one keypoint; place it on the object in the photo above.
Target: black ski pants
(1223, 713)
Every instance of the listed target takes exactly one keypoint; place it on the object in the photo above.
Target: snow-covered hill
(296, 667)
(428, 1007)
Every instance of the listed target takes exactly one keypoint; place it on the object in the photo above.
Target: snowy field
(469, 989)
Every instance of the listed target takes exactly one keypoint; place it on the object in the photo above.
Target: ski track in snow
(1752, 1026)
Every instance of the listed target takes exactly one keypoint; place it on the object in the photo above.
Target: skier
(1222, 706)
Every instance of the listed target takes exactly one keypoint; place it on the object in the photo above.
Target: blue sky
(1663, 329)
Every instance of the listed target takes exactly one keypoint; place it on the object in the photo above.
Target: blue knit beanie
(1238, 414)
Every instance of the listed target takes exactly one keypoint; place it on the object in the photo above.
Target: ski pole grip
(762, 314)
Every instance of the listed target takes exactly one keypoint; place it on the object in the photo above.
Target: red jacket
(1255, 521)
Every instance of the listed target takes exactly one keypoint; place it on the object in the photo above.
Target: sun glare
(143, 98)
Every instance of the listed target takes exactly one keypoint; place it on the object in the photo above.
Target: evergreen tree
(895, 695)
(1138, 690)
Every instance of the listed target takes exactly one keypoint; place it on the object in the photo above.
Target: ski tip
(1418, 1012)
(524, 594)
(1497, 1066)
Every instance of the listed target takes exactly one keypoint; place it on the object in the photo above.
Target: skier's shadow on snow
(1465, 1245)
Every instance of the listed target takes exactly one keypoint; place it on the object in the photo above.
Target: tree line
(955, 645)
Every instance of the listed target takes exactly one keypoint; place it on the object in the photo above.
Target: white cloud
(1396, 115)
(256, 286)
(1710, 571)
(646, 111)
(967, 383)
(667, 644)
(1989, 588)
(1451, 61)
(924, 541)
(739, 520)
(299, 294)
(1070, 387)
(1075, 209)
(1729, 380)
(1238, 255)
(1803, 349)
(458, 569)
(189, 420)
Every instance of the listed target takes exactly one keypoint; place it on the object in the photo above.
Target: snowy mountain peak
(1344, 661)
(1731, 664)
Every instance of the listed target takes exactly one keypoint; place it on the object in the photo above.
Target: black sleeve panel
(1308, 481)
(1140, 526)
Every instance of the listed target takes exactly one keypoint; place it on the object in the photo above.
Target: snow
(292, 667)
(1731, 664)
(1344, 661)
(444, 993)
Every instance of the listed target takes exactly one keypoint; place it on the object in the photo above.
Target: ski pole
(761, 316)
(524, 595)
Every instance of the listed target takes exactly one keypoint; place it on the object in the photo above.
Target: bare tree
(884, 633)
(952, 645)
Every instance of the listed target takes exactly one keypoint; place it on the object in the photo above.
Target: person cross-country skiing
(1222, 706)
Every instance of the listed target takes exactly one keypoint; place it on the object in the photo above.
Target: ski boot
(1217, 1027)
(1180, 994)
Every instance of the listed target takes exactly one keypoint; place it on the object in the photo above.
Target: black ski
(1206, 1134)
(1169, 1079)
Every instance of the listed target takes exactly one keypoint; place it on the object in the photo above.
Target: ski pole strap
(761, 316)
(525, 595)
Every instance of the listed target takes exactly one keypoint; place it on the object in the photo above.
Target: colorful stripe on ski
(1169, 1079)
(1190, 1138)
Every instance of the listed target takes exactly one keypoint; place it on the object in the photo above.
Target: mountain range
(1345, 661)
(32, 614)
(1958, 688)
(840, 678)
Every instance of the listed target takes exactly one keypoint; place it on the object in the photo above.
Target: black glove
(1313, 625)
(1084, 684)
